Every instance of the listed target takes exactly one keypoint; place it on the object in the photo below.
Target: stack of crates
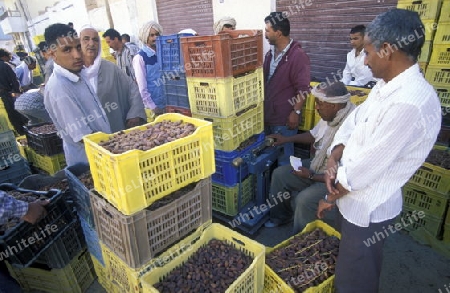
(130, 219)
(225, 86)
(427, 191)
(53, 255)
(13, 166)
(428, 11)
(45, 150)
(438, 72)
(173, 73)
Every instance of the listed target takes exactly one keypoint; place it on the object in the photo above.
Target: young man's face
(270, 34)
(357, 41)
(67, 54)
(90, 43)
(113, 43)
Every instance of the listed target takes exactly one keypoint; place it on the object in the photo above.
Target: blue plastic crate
(228, 175)
(169, 53)
(80, 193)
(92, 241)
(15, 172)
(9, 150)
(176, 89)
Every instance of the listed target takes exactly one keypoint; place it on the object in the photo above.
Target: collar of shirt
(65, 73)
(385, 90)
(282, 52)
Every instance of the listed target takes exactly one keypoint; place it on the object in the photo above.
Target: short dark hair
(112, 34)
(70, 24)
(126, 37)
(43, 46)
(58, 30)
(335, 89)
(4, 52)
(358, 29)
(398, 24)
(279, 22)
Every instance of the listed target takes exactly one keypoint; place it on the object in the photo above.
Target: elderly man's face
(90, 42)
(327, 111)
(376, 60)
(151, 39)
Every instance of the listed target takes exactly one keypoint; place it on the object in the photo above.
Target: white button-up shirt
(355, 72)
(386, 140)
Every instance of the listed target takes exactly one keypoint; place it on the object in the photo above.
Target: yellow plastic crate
(430, 30)
(103, 279)
(446, 236)
(427, 9)
(225, 199)
(37, 39)
(420, 198)
(252, 280)
(441, 55)
(225, 97)
(442, 36)
(316, 117)
(423, 67)
(230, 132)
(444, 95)
(433, 177)
(273, 283)
(429, 223)
(445, 11)
(426, 52)
(135, 179)
(49, 164)
(438, 76)
(150, 115)
(23, 148)
(5, 124)
(355, 99)
(76, 277)
(307, 122)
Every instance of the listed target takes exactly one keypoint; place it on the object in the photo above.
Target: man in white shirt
(379, 147)
(356, 73)
(306, 185)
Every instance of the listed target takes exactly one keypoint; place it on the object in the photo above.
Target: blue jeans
(288, 148)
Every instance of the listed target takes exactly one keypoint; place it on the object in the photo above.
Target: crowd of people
(363, 155)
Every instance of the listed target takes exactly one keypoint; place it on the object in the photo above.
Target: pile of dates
(358, 93)
(439, 158)
(86, 180)
(307, 261)
(155, 135)
(23, 196)
(44, 129)
(172, 197)
(212, 268)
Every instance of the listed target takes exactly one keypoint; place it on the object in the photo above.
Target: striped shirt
(11, 208)
(386, 140)
(124, 60)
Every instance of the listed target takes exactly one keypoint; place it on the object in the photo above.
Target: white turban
(218, 26)
(144, 32)
(333, 100)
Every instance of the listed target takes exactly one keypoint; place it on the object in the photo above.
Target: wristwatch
(311, 175)
(298, 112)
(327, 201)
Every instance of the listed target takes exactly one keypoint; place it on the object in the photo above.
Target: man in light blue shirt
(70, 101)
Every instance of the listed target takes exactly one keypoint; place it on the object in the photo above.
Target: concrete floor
(408, 267)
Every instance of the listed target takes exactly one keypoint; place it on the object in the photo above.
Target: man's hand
(134, 122)
(302, 172)
(279, 139)
(36, 211)
(323, 207)
(330, 175)
(293, 120)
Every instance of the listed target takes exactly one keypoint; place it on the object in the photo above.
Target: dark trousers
(17, 120)
(7, 283)
(359, 262)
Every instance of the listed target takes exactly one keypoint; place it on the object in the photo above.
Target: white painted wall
(248, 16)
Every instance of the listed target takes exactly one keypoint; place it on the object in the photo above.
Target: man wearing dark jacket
(287, 78)
(9, 87)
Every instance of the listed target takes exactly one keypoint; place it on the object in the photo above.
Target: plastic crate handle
(426, 169)
(200, 44)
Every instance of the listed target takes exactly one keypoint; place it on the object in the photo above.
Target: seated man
(306, 185)
(31, 105)
(355, 72)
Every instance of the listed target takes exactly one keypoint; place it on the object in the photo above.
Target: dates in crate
(86, 179)
(212, 268)
(307, 261)
(155, 135)
(44, 129)
(439, 158)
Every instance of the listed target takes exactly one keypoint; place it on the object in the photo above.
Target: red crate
(180, 110)
(223, 55)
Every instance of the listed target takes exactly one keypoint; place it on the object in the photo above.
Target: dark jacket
(292, 76)
(8, 79)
